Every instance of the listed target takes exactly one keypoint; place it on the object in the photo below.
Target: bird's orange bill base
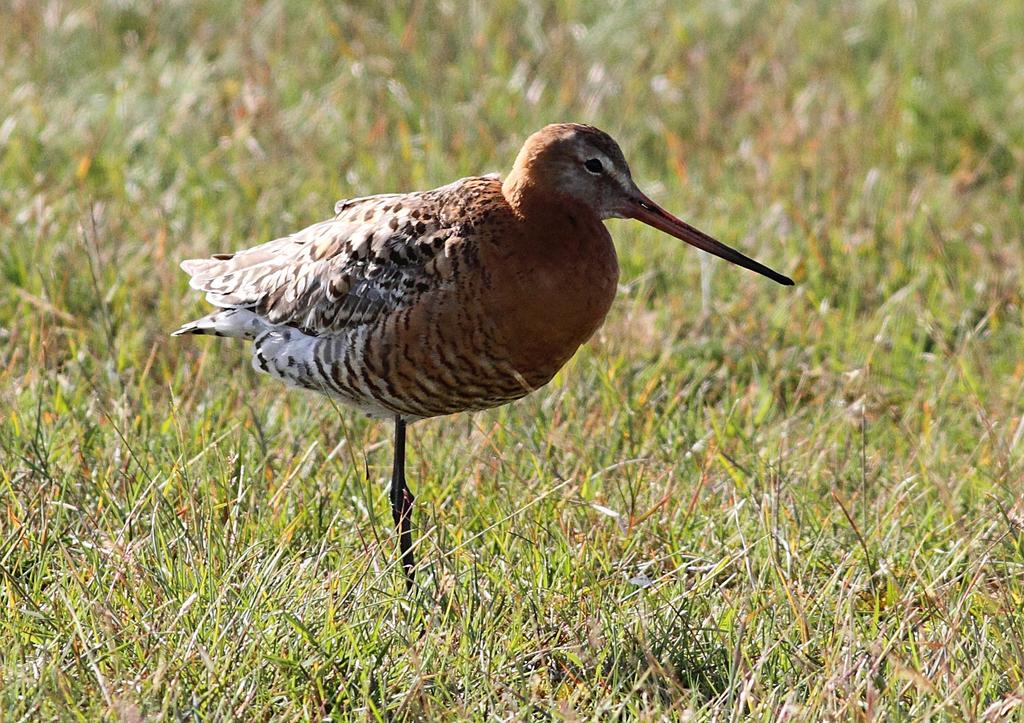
(646, 210)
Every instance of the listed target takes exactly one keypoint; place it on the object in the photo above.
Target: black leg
(401, 503)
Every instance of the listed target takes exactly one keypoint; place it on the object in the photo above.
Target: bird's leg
(401, 503)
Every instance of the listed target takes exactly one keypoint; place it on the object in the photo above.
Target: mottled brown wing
(376, 255)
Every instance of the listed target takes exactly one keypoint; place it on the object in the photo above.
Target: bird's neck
(555, 228)
(528, 196)
(520, 191)
(520, 185)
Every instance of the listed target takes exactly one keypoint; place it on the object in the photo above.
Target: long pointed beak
(644, 209)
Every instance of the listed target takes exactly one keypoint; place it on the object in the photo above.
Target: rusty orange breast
(551, 278)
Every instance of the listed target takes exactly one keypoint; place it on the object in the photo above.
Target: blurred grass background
(747, 502)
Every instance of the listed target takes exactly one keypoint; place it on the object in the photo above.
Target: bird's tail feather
(236, 323)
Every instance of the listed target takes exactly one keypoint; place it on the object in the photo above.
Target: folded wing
(376, 255)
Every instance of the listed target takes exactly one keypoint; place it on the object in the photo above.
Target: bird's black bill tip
(779, 278)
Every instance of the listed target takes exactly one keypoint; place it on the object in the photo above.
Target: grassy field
(738, 501)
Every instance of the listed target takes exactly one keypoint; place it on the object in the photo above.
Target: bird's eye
(594, 166)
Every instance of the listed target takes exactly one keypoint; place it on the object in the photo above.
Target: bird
(457, 299)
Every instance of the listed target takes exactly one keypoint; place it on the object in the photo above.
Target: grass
(742, 502)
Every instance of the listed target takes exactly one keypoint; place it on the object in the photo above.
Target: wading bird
(465, 297)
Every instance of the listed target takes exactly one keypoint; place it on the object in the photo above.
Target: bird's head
(585, 165)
